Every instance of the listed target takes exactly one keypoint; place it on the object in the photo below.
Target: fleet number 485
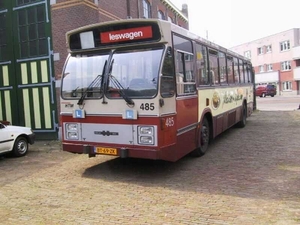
(147, 106)
(170, 122)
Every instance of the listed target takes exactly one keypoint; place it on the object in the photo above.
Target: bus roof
(164, 37)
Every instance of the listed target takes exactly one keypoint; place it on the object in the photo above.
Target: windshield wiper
(97, 82)
(120, 89)
(119, 86)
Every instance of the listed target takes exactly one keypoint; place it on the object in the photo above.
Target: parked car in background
(265, 90)
(15, 139)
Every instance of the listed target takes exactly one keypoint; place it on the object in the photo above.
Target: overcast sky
(233, 22)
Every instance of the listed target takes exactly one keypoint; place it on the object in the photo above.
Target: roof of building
(174, 8)
(263, 37)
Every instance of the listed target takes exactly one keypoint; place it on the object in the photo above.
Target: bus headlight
(146, 131)
(71, 126)
(146, 135)
(72, 135)
(146, 140)
(71, 131)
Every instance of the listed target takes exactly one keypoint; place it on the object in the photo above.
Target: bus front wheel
(204, 138)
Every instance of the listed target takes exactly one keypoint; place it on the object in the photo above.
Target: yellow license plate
(106, 151)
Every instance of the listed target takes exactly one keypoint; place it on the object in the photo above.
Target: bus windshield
(83, 75)
(132, 72)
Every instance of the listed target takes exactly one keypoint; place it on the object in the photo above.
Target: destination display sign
(126, 34)
(104, 35)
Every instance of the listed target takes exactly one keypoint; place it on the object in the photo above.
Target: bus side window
(242, 78)
(214, 67)
(202, 65)
(249, 73)
(167, 88)
(236, 71)
(222, 67)
(230, 70)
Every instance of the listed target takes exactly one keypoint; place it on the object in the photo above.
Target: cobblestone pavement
(249, 176)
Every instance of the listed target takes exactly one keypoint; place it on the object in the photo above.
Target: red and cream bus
(147, 88)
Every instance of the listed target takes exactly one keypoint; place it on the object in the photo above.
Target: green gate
(27, 84)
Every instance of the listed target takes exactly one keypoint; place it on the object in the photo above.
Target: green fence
(27, 84)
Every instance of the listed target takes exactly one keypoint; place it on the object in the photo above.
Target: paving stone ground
(248, 176)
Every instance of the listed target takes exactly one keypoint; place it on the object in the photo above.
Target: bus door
(186, 103)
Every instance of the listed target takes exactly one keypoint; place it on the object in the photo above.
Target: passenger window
(250, 74)
(236, 71)
(214, 67)
(230, 70)
(242, 79)
(222, 67)
(202, 65)
(167, 88)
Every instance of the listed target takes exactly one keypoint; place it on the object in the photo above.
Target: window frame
(247, 54)
(289, 84)
(268, 48)
(285, 66)
(146, 9)
(161, 14)
(285, 46)
(261, 68)
(269, 67)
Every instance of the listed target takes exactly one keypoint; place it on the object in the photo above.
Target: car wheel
(204, 138)
(264, 95)
(272, 95)
(20, 147)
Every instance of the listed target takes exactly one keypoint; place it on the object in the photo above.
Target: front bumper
(31, 138)
(122, 152)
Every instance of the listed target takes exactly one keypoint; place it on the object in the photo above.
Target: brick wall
(65, 19)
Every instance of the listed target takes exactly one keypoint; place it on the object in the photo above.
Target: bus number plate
(106, 151)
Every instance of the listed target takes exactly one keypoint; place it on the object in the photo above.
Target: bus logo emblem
(106, 133)
(216, 100)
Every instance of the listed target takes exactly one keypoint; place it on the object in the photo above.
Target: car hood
(18, 128)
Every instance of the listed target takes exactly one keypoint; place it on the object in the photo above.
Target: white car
(15, 139)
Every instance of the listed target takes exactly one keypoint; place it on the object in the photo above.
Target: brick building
(71, 14)
(276, 60)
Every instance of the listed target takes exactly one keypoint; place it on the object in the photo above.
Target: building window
(287, 86)
(170, 19)
(247, 54)
(52, 2)
(260, 51)
(261, 68)
(286, 65)
(269, 48)
(269, 67)
(146, 9)
(285, 45)
(160, 15)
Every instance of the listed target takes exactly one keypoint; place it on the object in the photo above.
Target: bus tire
(243, 121)
(204, 139)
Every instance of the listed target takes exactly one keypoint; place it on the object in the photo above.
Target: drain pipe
(138, 8)
(128, 9)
